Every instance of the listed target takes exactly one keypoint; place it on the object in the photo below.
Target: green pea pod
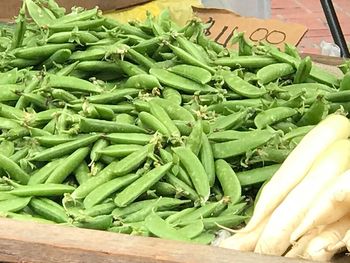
(93, 125)
(303, 70)
(172, 95)
(60, 94)
(228, 181)
(66, 71)
(194, 50)
(206, 238)
(14, 171)
(250, 62)
(59, 57)
(49, 210)
(73, 17)
(231, 135)
(101, 209)
(158, 112)
(234, 209)
(192, 230)
(135, 189)
(98, 145)
(174, 218)
(141, 59)
(195, 170)
(129, 138)
(238, 147)
(113, 97)
(273, 72)
(125, 118)
(232, 121)
(195, 73)
(72, 84)
(21, 26)
(81, 25)
(164, 189)
(257, 175)
(81, 173)
(243, 87)
(189, 59)
(142, 81)
(103, 191)
(178, 82)
(14, 204)
(130, 69)
(207, 159)
(317, 112)
(101, 222)
(64, 148)
(61, 172)
(175, 111)
(194, 140)
(345, 82)
(42, 190)
(161, 228)
(114, 169)
(271, 116)
(201, 212)
(41, 175)
(340, 96)
(53, 140)
(41, 52)
(291, 51)
(153, 123)
(38, 14)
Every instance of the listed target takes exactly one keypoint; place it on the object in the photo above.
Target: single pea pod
(14, 204)
(273, 115)
(48, 209)
(182, 188)
(13, 169)
(250, 62)
(59, 57)
(101, 209)
(345, 82)
(172, 95)
(207, 159)
(257, 175)
(317, 112)
(273, 72)
(129, 138)
(41, 175)
(232, 121)
(201, 212)
(151, 122)
(195, 170)
(42, 52)
(142, 81)
(340, 96)
(195, 73)
(88, 125)
(237, 147)
(64, 148)
(303, 70)
(228, 181)
(243, 87)
(157, 226)
(175, 111)
(113, 97)
(194, 140)
(141, 185)
(81, 25)
(119, 150)
(42, 190)
(178, 82)
(60, 173)
(39, 16)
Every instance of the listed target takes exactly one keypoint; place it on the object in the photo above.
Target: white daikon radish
(330, 206)
(345, 241)
(329, 165)
(244, 241)
(297, 164)
(298, 247)
(318, 248)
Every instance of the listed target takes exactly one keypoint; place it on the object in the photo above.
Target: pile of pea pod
(147, 128)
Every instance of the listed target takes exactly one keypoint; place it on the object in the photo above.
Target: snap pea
(205, 238)
(114, 169)
(80, 37)
(13, 169)
(81, 25)
(135, 189)
(103, 191)
(172, 95)
(74, 16)
(42, 190)
(32, 53)
(142, 81)
(234, 209)
(164, 189)
(64, 148)
(317, 112)
(178, 82)
(175, 111)
(14, 204)
(345, 82)
(93, 125)
(238, 147)
(245, 61)
(141, 59)
(195, 170)
(129, 138)
(194, 73)
(207, 159)
(194, 140)
(59, 57)
(272, 116)
(101, 209)
(273, 72)
(41, 175)
(98, 145)
(60, 173)
(257, 175)
(243, 87)
(129, 68)
(113, 97)
(81, 173)
(161, 228)
(228, 180)
(232, 121)
(153, 123)
(53, 140)
(303, 70)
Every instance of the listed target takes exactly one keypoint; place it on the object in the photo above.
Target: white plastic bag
(329, 49)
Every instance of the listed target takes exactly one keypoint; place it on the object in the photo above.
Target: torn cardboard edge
(224, 23)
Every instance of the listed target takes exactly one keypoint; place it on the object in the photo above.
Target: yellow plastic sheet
(180, 10)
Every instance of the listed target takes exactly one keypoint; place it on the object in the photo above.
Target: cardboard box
(10, 8)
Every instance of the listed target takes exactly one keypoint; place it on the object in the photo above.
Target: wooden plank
(327, 60)
(32, 242)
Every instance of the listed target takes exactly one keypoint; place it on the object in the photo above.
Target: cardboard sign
(224, 23)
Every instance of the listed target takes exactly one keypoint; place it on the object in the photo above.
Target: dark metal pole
(334, 26)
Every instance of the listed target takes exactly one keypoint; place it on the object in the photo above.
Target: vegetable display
(154, 129)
